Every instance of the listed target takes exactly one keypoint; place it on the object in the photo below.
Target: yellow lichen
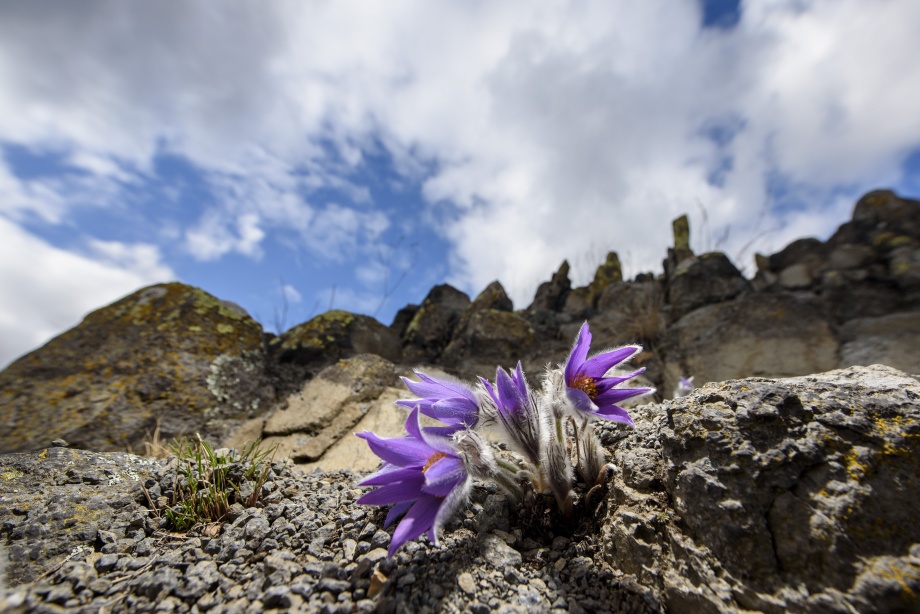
(11, 474)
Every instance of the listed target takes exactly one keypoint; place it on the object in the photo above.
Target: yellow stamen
(586, 384)
(432, 460)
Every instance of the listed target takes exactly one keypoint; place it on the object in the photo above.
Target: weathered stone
(796, 276)
(327, 407)
(551, 294)
(629, 313)
(493, 297)
(802, 251)
(892, 340)
(754, 335)
(332, 336)
(52, 504)
(788, 495)
(697, 281)
(611, 272)
(105, 383)
(487, 339)
(433, 325)
(849, 256)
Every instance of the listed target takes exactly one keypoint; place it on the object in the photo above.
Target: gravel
(309, 547)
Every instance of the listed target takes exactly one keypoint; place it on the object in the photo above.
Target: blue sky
(296, 156)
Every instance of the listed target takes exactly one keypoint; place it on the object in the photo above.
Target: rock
(795, 276)
(629, 313)
(332, 336)
(809, 252)
(611, 272)
(328, 407)
(486, 339)
(551, 294)
(56, 502)
(402, 319)
(493, 297)
(431, 328)
(883, 209)
(788, 495)
(756, 334)
(697, 281)
(892, 340)
(105, 383)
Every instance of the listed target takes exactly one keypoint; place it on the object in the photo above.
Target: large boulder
(433, 324)
(143, 361)
(759, 334)
(775, 495)
(327, 408)
(892, 340)
(332, 336)
(703, 280)
(488, 334)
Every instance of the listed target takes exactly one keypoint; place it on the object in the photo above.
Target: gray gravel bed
(307, 547)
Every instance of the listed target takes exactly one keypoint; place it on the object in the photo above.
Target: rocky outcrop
(775, 495)
(813, 306)
(789, 495)
(142, 361)
(431, 327)
(333, 335)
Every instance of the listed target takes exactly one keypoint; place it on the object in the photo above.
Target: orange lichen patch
(586, 384)
(432, 460)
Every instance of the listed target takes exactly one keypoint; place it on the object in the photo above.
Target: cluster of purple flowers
(427, 474)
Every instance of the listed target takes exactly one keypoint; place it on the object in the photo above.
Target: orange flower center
(432, 460)
(586, 384)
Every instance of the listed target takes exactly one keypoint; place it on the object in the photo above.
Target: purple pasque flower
(422, 476)
(511, 405)
(451, 402)
(586, 387)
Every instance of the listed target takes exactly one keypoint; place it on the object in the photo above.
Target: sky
(297, 156)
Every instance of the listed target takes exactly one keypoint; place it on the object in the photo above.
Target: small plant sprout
(532, 444)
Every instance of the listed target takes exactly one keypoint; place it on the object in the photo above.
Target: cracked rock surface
(795, 495)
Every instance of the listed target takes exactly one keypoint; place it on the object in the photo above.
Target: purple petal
(618, 414)
(413, 427)
(455, 499)
(443, 476)
(580, 400)
(606, 383)
(507, 391)
(618, 394)
(388, 475)
(413, 403)
(401, 451)
(454, 410)
(396, 492)
(418, 520)
(396, 511)
(519, 380)
(598, 365)
(579, 353)
(432, 439)
(431, 388)
(441, 434)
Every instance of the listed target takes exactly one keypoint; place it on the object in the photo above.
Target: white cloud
(290, 294)
(554, 130)
(49, 289)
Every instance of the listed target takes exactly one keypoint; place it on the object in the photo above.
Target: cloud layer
(535, 132)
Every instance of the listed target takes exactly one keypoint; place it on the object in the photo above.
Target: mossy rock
(489, 338)
(332, 336)
(105, 383)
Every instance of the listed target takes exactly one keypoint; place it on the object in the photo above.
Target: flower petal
(388, 475)
(597, 366)
(618, 394)
(401, 451)
(443, 476)
(579, 353)
(394, 493)
(454, 500)
(433, 439)
(418, 520)
(431, 388)
(396, 511)
(606, 383)
(617, 414)
(455, 410)
(580, 400)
